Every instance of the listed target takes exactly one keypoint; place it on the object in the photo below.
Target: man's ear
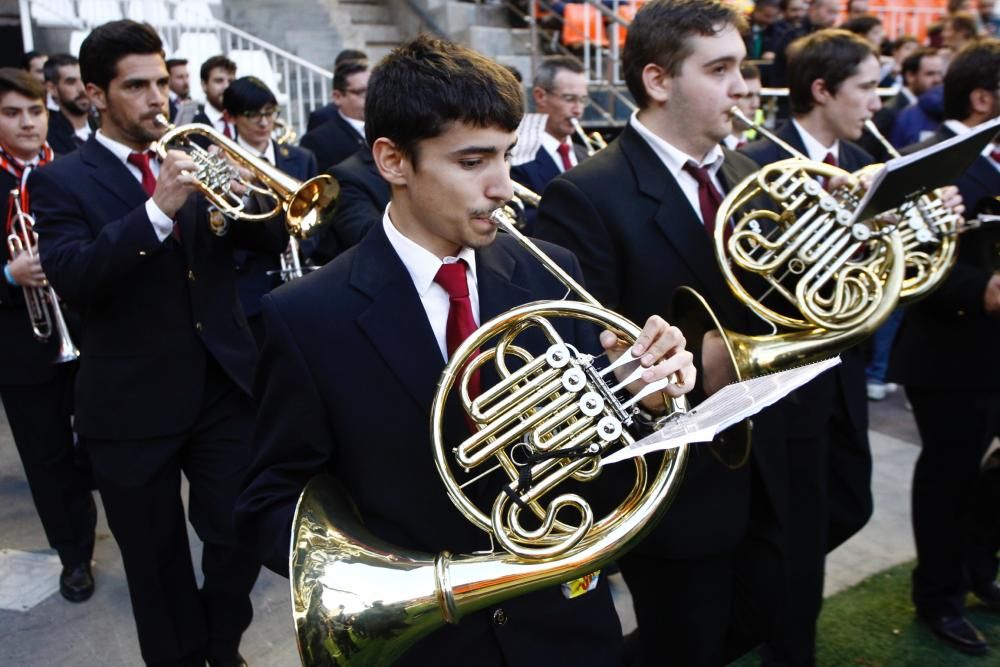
(337, 97)
(392, 164)
(658, 82)
(538, 93)
(97, 96)
(820, 93)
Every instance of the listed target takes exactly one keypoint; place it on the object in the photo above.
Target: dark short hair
(109, 43)
(428, 83)
(345, 70)
(963, 23)
(976, 65)
(13, 80)
(52, 65)
(832, 55)
(861, 25)
(175, 62)
(214, 62)
(749, 71)
(911, 63)
(247, 93)
(902, 41)
(660, 34)
(28, 57)
(545, 75)
(767, 3)
(348, 55)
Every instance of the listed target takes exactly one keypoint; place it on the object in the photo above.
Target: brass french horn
(546, 422)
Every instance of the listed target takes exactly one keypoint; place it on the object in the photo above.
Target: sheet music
(529, 138)
(730, 405)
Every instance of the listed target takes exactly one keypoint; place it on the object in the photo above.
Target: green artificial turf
(872, 624)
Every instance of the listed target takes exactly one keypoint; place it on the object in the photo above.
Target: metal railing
(189, 30)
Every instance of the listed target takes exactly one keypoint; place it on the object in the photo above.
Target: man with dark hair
(762, 33)
(71, 126)
(833, 79)
(957, 30)
(342, 135)
(179, 87)
(251, 109)
(328, 111)
(216, 74)
(560, 91)
(34, 390)
(867, 26)
(441, 121)
(821, 14)
(638, 216)
(962, 316)
(33, 63)
(167, 360)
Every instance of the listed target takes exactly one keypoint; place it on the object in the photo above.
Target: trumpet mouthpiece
(161, 120)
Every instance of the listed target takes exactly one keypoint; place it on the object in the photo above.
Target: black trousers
(956, 428)
(57, 473)
(139, 481)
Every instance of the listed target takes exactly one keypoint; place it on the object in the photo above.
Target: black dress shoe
(989, 596)
(957, 632)
(77, 583)
(235, 661)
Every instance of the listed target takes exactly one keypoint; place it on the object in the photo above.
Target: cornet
(301, 202)
(43, 304)
(592, 142)
(283, 133)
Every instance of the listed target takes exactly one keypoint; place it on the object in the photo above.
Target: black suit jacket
(322, 115)
(332, 142)
(364, 194)
(352, 342)
(25, 359)
(256, 272)
(61, 135)
(151, 312)
(535, 176)
(952, 317)
(850, 374)
(638, 239)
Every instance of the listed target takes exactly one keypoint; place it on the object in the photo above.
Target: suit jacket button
(191, 275)
(960, 313)
(142, 253)
(198, 327)
(500, 617)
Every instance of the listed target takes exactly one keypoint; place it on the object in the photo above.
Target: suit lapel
(395, 321)
(497, 292)
(111, 175)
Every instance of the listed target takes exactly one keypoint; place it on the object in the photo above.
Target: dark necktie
(226, 131)
(141, 161)
(563, 151)
(709, 197)
(831, 159)
(995, 155)
(461, 322)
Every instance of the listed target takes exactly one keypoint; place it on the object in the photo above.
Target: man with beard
(72, 125)
(167, 360)
(179, 89)
(216, 74)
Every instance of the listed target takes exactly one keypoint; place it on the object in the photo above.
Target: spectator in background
(33, 62)
(856, 8)
(178, 87)
(821, 14)
(749, 104)
(957, 30)
(216, 74)
(342, 135)
(867, 26)
(988, 17)
(328, 111)
(901, 49)
(761, 36)
(71, 126)
(793, 13)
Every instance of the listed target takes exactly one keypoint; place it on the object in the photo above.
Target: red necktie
(141, 161)
(461, 323)
(995, 156)
(709, 197)
(226, 131)
(563, 151)
(830, 159)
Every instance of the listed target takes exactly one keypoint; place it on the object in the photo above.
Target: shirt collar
(814, 149)
(358, 125)
(552, 144)
(908, 94)
(956, 126)
(118, 149)
(672, 157)
(212, 113)
(420, 263)
(267, 153)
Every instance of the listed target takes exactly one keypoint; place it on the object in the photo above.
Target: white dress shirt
(358, 125)
(267, 153)
(216, 118)
(674, 160)
(423, 265)
(83, 133)
(162, 224)
(814, 149)
(551, 146)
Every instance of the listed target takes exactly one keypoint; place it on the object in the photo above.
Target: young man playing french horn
(354, 351)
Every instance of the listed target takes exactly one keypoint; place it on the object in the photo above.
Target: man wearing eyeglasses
(342, 136)
(251, 108)
(560, 91)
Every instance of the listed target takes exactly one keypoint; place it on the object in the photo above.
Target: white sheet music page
(730, 405)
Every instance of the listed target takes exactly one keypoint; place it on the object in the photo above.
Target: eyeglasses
(255, 116)
(571, 99)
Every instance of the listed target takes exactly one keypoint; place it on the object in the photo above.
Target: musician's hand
(176, 182)
(26, 270)
(715, 363)
(241, 175)
(991, 297)
(952, 198)
(660, 350)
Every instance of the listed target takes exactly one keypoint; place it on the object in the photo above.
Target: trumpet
(592, 142)
(300, 202)
(283, 133)
(43, 305)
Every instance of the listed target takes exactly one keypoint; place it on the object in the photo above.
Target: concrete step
(369, 13)
(521, 63)
(377, 33)
(454, 17)
(495, 42)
